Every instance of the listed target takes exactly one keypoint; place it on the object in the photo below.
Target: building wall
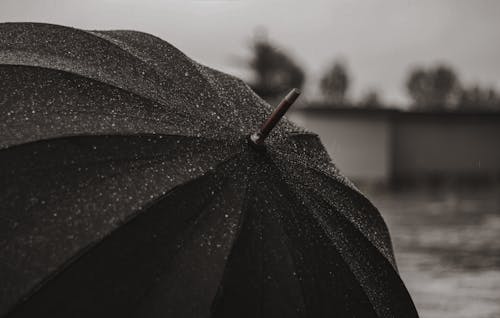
(456, 146)
(381, 146)
(359, 145)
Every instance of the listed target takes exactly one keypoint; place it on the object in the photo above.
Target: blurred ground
(447, 245)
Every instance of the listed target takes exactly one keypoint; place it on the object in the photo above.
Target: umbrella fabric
(128, 188)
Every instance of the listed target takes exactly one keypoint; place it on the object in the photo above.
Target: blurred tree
(275, 73)
(335, 83)
(477, 98)
(371, 100)
(433, 89)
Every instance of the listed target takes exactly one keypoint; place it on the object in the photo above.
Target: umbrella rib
(193, 220)
(104, 39)
(338, 178)
(71, 73)
(98, 37)
(85, 250)
(37, 286)
(201, 71)
(245, 207)
(262, 265)
(355, 226)
(120, 115)
(387, 264)
(155, 103)
(94, 182)
(357, 193)
(93, 162)
(132, 135)
(198, 67)
(242, 219)
(343, 181)
(116, 45)
(289, 252)
(321, 223)
(298, 133)
(192, 223)
(148, 99)
(293, 195)
(148, 162)
(325, 227)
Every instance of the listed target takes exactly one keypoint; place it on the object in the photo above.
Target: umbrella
(129, 187)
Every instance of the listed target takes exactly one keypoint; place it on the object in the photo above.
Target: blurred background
(405, 95)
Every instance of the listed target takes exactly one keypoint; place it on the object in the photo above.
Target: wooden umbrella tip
(258, 137)
(292, 96)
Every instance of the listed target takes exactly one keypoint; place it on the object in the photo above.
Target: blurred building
(383, 146)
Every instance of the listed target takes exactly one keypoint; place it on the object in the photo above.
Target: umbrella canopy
(128, 187)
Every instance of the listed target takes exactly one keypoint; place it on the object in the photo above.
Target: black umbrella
(129, 187)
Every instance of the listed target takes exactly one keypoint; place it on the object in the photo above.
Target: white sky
(380, 39)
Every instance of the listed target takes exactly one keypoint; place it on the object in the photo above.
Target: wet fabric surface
(128, 188)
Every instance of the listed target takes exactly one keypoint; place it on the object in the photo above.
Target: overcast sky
(380, 39)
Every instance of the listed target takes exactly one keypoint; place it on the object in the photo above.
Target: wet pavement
(447, 245)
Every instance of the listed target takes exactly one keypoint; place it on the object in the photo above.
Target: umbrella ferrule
(259, 136)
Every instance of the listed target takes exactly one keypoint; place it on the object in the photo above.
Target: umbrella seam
(93, 162)
(66, 71)
(288, 240)
(108, 42)
(96, 37)
(155, 103)
(93, 181)
(368, 203)
(393, 264)
(148, 162)
(66, 264)
(192, 221)
(236, 236)
(197, 67)
(84, 251)
(324, 225)
(126, 134)
(321, 222)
